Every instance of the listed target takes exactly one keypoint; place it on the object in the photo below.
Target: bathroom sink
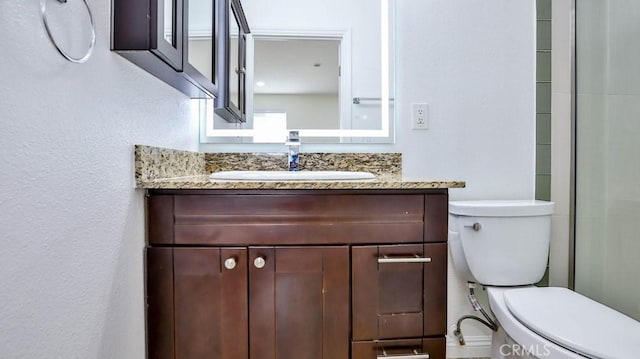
(291, 176)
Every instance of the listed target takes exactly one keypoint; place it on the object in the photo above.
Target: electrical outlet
(419, 116)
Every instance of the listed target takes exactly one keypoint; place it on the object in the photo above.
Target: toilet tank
(501, 243)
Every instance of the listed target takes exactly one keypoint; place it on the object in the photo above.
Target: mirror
(324, 68)
(200, 61)
(168, 22)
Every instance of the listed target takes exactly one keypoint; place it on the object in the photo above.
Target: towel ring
(77, 60)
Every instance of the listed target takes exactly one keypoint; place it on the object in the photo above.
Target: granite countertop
(381, 182)
(158, 168)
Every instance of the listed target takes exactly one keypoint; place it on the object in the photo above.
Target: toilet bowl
(503, 245)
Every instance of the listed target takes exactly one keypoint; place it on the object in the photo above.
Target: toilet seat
(609, 343)
(575, 322)
(520, 333)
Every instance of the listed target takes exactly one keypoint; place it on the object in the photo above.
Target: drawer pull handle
(415, 259)
(230, 263)
(415, 355)
(259, 262)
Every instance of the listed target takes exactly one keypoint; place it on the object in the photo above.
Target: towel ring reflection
(77, 60)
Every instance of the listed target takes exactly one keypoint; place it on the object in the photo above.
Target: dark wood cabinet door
(197, 303)
(432, 348)
(159, 293)
(211, 303)
(299, 302)
(155, 26)
(399, 291)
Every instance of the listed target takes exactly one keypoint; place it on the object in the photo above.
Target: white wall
(473, 62)
(71, 223)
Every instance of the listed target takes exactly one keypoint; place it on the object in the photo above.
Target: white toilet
(504, 245)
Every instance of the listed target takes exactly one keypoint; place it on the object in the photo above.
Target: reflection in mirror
(351, 102)
(200, 52)
(168, 21)
(298, 78)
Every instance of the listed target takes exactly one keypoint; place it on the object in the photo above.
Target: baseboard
(478, 346)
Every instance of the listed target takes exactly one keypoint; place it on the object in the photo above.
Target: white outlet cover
(420, 116)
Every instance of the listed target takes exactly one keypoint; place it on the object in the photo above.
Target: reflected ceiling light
(260, 83)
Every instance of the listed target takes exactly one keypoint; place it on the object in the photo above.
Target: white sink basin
(291, 176)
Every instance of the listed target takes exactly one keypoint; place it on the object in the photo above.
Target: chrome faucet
(293, 143)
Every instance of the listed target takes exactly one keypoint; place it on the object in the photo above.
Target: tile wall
(543, 100)
(543, 105)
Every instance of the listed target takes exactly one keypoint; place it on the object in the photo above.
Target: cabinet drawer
(399, 291)
(435, 348)
(297, 219)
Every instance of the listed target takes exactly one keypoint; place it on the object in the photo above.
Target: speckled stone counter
(159, 168)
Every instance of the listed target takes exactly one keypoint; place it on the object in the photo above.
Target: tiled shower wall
(543, 106)
(543, 100)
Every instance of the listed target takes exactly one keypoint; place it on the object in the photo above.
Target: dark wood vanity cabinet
(296, 274)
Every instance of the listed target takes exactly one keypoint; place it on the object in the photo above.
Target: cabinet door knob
(230, 263)
(259, 262)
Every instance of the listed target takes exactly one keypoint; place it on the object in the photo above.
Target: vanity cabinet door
(399, 291)
(197, 303)
(299, 302)
(155, 26)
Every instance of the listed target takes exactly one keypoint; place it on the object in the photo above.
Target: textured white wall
(71, 223)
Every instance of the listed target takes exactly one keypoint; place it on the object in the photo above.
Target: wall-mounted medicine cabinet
(175, 40)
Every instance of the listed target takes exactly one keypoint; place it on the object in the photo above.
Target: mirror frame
(223, 105)
(210, 85)
(384, 135)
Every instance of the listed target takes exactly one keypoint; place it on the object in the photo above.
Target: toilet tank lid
(517, 208)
